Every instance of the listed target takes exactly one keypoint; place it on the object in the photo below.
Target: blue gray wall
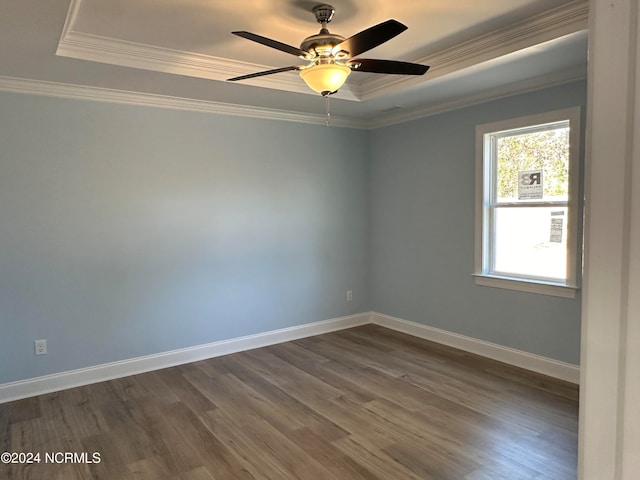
(422, 189)
(127, 231)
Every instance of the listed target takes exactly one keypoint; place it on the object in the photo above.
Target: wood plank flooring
(361, 404)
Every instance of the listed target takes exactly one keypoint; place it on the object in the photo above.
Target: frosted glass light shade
(325, 77)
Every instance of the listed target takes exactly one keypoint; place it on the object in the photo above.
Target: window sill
(529, 286)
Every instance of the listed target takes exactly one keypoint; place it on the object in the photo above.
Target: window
(526, 203)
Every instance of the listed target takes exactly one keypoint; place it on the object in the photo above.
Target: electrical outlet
(349, 295)
(40, 347)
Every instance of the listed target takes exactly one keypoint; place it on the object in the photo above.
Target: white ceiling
(182, 51)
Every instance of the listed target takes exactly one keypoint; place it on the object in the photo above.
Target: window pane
(533, 165)
(531, 241)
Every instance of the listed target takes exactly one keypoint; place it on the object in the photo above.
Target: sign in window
(526, 225)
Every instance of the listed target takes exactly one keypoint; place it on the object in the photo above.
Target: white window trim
(561, 289)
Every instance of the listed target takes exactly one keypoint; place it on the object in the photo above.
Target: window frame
(485, 168)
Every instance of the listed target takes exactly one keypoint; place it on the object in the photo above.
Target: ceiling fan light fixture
(325, 77)
(331, 58)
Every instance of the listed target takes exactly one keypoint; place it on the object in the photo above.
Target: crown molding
(555, 23)
(80, 92)
(392, 117)
(84, 46)
(518, 88)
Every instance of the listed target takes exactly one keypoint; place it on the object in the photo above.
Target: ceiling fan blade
(266, 72)
(387, 66)
(283, 47)
(370, 38)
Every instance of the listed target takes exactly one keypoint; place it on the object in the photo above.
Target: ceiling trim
(79, 92)
(95, 48)
(552, 24)
(516, 88)
(556, 23)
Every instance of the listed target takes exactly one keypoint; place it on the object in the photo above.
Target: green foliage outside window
(546, 150)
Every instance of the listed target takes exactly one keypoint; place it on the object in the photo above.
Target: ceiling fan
(331, 58)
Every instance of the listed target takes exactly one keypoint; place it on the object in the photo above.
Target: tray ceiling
(184, 49)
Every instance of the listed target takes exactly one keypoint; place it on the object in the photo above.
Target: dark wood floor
(364, 403)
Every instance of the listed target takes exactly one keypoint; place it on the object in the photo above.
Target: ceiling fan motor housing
(322, 43)
(320, 46)
(324, 13)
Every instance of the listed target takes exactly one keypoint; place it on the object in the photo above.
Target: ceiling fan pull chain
(328, 109)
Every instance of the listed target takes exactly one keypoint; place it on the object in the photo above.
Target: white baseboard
(109, 371)
(518, 358)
